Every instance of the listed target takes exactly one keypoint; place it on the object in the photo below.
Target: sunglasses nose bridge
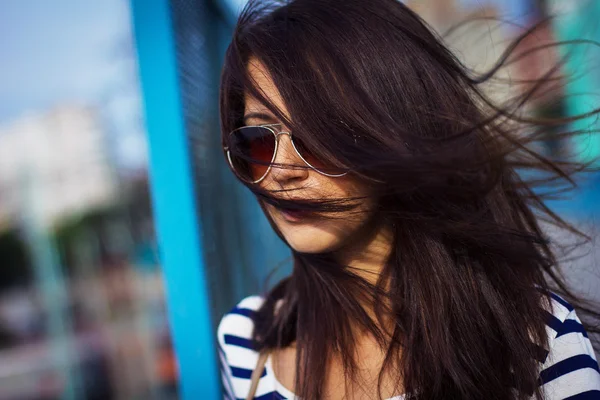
(288, 134)
(288, 148)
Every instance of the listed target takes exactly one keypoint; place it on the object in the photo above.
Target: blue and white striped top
(570, 370)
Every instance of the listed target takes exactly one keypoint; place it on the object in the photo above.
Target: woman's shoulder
(559, 310)
(238, 323)
(561, 319)
(234, 336)
(237, 352)
(570, 367)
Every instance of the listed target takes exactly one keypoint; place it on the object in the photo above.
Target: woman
(420, 270)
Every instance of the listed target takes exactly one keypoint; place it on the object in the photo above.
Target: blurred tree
(15, 263)
(76, 235)
(101, 235)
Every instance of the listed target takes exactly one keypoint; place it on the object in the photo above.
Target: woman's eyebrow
(260, 116)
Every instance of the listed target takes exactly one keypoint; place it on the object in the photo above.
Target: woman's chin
(314, 235)
(309, 248)
(310, 240)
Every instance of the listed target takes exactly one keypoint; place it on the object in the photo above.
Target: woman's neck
(366, 257)
(367, 254)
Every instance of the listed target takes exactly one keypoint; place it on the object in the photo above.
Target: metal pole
(51, 285)
(173, 196)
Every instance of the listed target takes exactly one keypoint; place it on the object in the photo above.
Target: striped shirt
(570, 370)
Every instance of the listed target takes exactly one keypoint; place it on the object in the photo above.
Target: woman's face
(304, 233)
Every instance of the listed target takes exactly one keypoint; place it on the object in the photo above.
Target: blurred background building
(59, 155)
(105, 105)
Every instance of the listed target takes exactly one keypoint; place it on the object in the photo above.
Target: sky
(72, 51)
(64, 50)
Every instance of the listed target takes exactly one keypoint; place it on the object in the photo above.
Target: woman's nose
(287, 166)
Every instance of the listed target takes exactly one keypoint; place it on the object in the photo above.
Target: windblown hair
(370, 88)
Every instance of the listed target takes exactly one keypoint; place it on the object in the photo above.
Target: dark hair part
(371, 88)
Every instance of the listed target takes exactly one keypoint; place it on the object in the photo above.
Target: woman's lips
(293, 215)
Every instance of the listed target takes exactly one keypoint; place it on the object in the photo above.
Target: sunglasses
(251, 152)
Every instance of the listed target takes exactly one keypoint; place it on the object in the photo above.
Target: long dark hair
(372, 89)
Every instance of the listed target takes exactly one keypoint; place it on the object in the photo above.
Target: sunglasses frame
(276, 134)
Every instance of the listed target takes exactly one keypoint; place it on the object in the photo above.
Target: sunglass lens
(314, 161)
(251, 151)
